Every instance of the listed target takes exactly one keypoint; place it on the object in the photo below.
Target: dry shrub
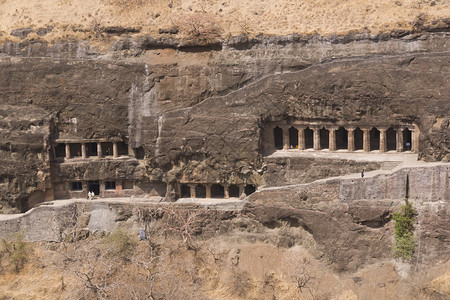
(182, 223)
(241, 283)
(297, 268)
(128, 3)
(201, 28)
(243, 24)
(119, 267)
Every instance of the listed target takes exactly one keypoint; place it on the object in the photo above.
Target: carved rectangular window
(110, 185)
(77, 186)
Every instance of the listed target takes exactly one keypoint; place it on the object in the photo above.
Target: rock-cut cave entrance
(309, 138)
(358, 138)
(249, 189)
(278, 137)
(407, 139)
(233, 191)
(293, 137)
(185, 191)
(91, 149)
(324, 138)
(94, 186)
(341, 139)
(391, 139)
(60, 151)
(200, 191)
(217, 191)
(374, 139)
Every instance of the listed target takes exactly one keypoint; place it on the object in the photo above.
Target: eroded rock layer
(152, 116)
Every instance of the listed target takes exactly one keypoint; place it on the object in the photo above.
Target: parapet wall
(53, 222)
(427, 183)
(417, 183)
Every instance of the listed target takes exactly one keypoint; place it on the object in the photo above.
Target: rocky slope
(197, 103)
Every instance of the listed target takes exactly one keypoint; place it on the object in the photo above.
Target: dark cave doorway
(94, 186)
(278, 137)
(293, 138)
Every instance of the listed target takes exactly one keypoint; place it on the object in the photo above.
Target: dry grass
(262, 271)
(232, 16)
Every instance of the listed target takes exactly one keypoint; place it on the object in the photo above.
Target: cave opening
(60, 150)
(233, 191)
(185, 191)
(358, 137)
(374, 139)
(94, 186)
(293, 137)
(217, 191)
(107, 148)
(139, 153)
(278, 137)
(309, 138)
(91, 149)
(391, 139)
(122, 148)
(407, 139)
(200, 191)
(75, 150)
(324, 138)
(249, 189)
(341, 139)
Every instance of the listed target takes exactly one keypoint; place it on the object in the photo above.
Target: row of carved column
(207, 186)
(350, 138)
(99, 150)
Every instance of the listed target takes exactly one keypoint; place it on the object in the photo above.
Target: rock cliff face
(199, 113)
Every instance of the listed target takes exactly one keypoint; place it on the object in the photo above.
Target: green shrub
(16, 251)
(121, 244)
(404, 244)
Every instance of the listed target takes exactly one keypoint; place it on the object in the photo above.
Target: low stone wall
(429, 183)
(426, 183)
(43, 223)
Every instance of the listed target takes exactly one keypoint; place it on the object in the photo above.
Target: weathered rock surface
(199, 113)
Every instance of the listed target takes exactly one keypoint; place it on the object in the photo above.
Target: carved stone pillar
(83, 150)
(67, 151)
(383, 146)
(316, 138)
(192, 189)
(332, 139)
(270, 135)
(208, 190)
(351, 139)
(115, 150)
(241, 190)
(301, 138)
(415, 140)
(226, 191)
(99, 150)
(366, 139)
(400, 140)
(285, 137)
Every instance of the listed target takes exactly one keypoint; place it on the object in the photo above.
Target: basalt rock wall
(199, 112)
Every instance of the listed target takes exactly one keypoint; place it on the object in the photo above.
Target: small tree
(404, 244)
(16, 251)
(183, 223)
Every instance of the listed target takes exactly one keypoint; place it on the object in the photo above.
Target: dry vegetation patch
(211, 19)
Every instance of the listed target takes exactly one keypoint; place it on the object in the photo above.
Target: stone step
(390, 165)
